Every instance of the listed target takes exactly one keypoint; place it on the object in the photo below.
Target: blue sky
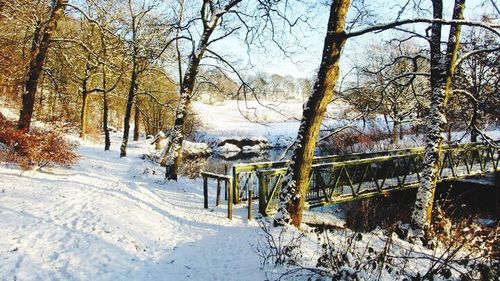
(307, 51)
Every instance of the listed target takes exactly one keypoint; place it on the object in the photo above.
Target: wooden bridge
(343, 178)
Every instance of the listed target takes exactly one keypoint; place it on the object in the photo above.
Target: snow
(112, 218)
(228, 147)
(377, 255)
(277, 122)
(117, 219)
(195, 148)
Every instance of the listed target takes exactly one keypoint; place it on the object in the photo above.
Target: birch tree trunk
(442, 70)
(39, 49)
(296, 180)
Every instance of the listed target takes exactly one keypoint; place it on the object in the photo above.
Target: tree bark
(105, 102)
(128, 110)
(442, 70)
(296, 180)
(395, 132)
(85, 95)
(474, 122)
(105, 112)
(137, 120)
(83, 113)
(39, 49)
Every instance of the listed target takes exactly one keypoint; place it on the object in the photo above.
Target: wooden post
(217, 199)
(225, 183)
(235, 197)
(205, 192)
(230, 202)
(262, 194)
(250, 195)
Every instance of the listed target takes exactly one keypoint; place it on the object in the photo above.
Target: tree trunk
(128, 109)
(296, 180)
(474, 122)
(387, 124)
(105, 105)
(39, 49)
(137, 120)
(83, 113)
(442, 70)
(395, 132)
(173, 153)
(105, 112)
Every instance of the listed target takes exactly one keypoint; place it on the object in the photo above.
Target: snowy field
(108, 218)
(278, 122)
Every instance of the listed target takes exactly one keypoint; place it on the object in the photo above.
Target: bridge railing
(245, 177)
(338, 182)
(228, 189)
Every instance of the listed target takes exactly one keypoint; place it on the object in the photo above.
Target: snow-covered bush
(279, 247)
(342, 254)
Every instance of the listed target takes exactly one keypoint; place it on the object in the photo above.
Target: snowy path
(111, 219)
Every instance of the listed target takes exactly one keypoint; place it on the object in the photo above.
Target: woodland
(122, 89)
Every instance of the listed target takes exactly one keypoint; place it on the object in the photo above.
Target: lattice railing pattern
(336, 182)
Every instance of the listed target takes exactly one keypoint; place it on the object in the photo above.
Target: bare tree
(476, 93)
(442, 71)
(44, 30)
(143, 31)
(211, 15)
(393, 83)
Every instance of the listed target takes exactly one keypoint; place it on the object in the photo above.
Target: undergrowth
(462, 250)
(35, 149)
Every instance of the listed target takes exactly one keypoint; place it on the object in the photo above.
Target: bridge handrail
(251, 168)
(228, 182)
(398, 174)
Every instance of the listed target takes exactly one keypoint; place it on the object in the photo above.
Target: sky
(308, 49)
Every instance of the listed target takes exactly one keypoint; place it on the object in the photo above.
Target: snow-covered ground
(111, 218)
(278, 122)
(108, 218)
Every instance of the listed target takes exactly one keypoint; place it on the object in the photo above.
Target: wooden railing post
(229, 201)
(236, 193)
(225, 183)
(217, 199)
(250, 195)
(205, 192)
(263, 190)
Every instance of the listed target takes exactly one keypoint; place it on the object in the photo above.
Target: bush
(36, 149)
(354, 141)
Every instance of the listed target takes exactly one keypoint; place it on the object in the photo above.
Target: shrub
(353, 141)
(36, 149)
